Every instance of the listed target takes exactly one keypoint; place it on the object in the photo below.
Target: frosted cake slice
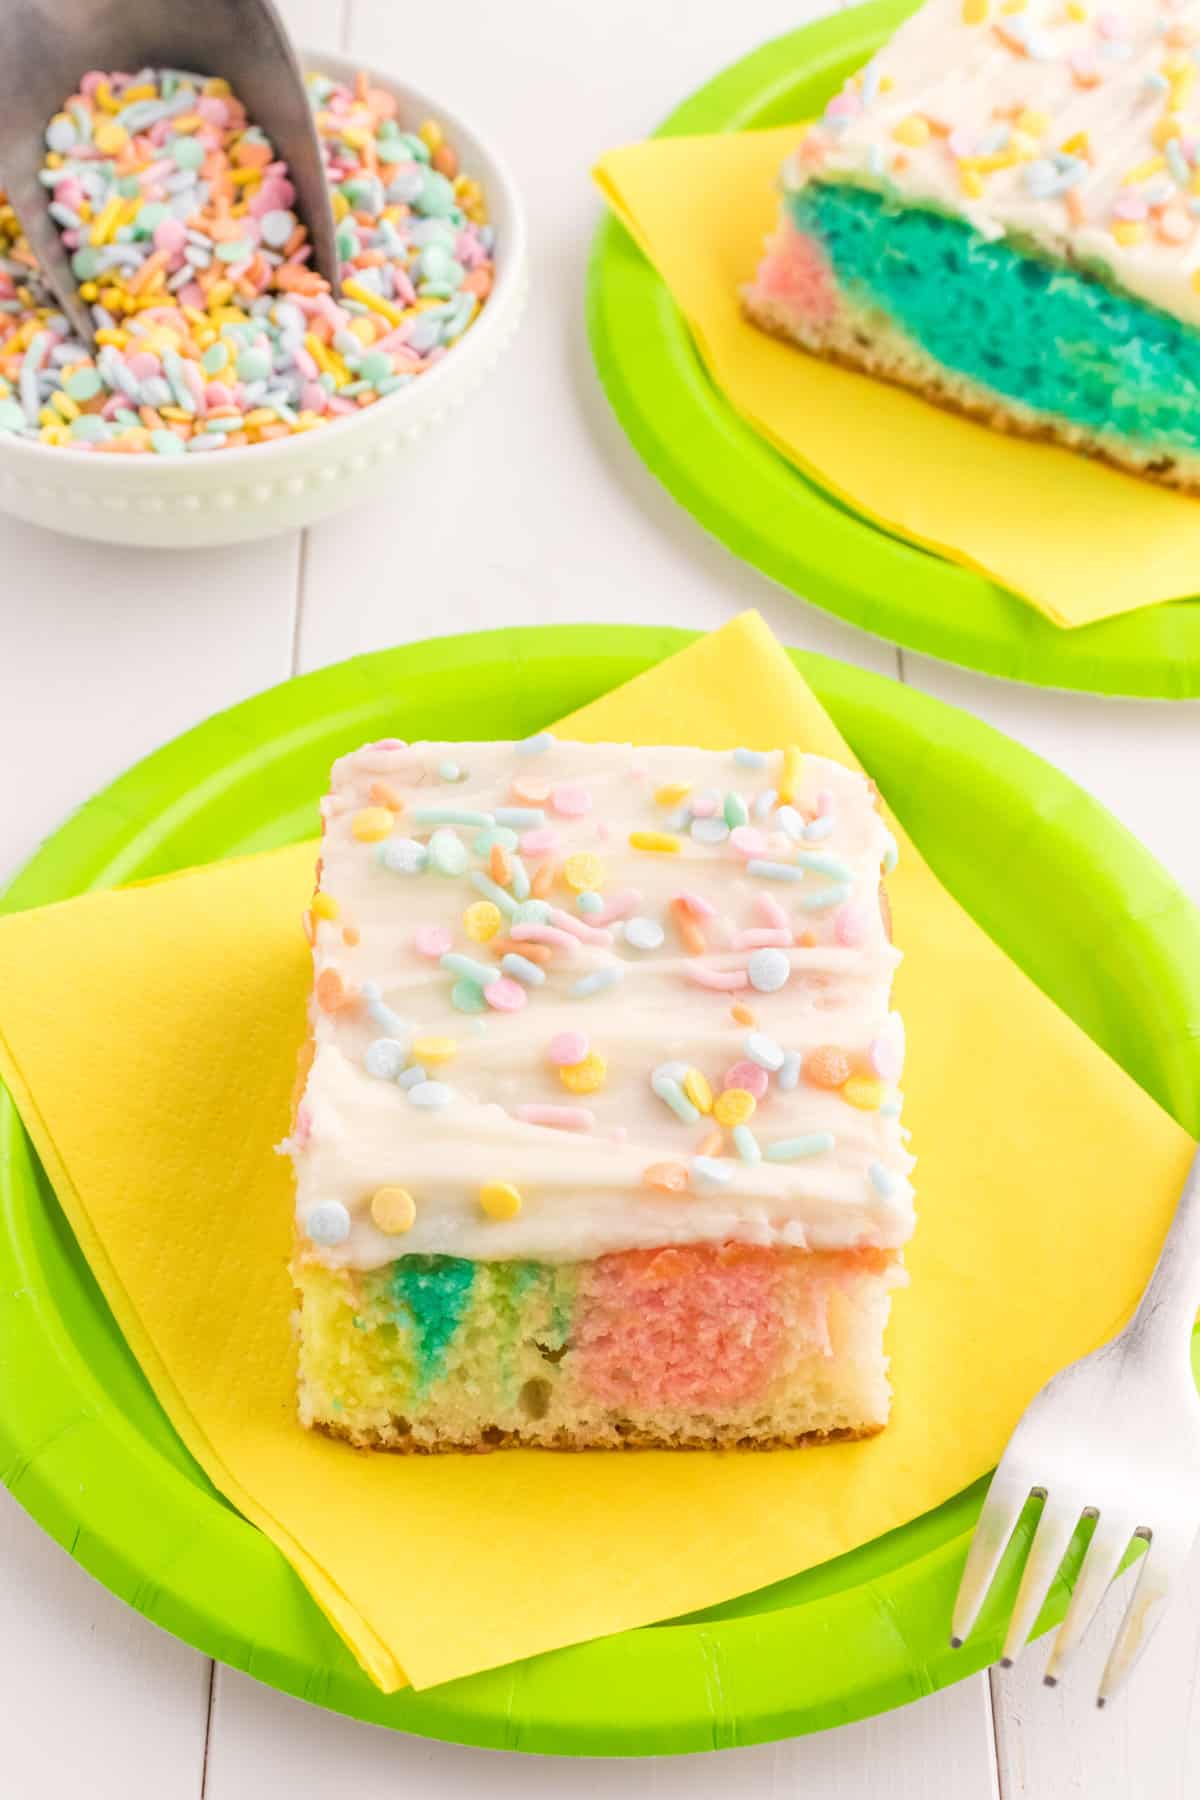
(1000, 211)
(598, 1140)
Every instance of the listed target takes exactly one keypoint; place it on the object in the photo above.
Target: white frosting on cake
(1071, 126)
(584, 1190)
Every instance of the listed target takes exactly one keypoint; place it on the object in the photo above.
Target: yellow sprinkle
(430, 134)
(48, 417)
(1077, 11)
(1196, 280)
(372, 824)
(789, 774)
(988, 165)
(355, 136)
(373, 302)
(864, 1092)
(102, 94)
(107, 336)
(1013, 6)
(674, 794)
(88, 291)
(324, 906)
(1128, 231)
(586, 1076)
(317, 350)
(244, 177)
(362, 329)
(660, 841)
(912, 131)
(1164, 130)
(105, 221)
(1035, 123)
(434, 1049)
(109, 137)
(143, 90)
(698, 1090)
(393, 1210)
(1143, 171)
(217, 84)
(974, 12)
(583, 872)
(341, 206)
(482, 921)
(175, 413)
(886, 84)
(1076, 144)
(972, 181)
(500, 1199)
(734, 1106)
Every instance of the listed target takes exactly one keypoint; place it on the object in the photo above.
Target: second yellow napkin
(149, 1037)
(1078, 540)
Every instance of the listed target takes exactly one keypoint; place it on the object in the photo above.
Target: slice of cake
(598, 1140)
(1000, 212)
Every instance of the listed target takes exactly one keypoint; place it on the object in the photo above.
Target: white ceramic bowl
(234, 495)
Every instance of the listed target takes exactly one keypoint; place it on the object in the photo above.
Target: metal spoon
(50, 44)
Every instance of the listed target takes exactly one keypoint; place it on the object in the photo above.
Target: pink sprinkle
(749, 1075)
(770, 910)
(505, 995)
(432, 940)
(849, 926)
(587, 934)
(1129, 206)
(571, 800)
(843, 106)
(170, 236)
(621, 906)
(539, 842)
(192, 294)
(313, 397)
(217, 394)
(763, 940)
(543, 934)
(566, 1048)
(703, 806)
(725, 981)
(748, 841)
(564, 1118)
(143, 364)
(696, 904)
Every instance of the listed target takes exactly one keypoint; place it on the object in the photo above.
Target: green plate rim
(746, 494)
(85, 1448)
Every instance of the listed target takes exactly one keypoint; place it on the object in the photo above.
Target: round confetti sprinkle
(393, 1210)
(698, 1089)
(583, 872)
(328, 1224)
(530, 791)
(505, 995)
(768, 970)
(566, 1049)
(588, 902)
(763, 1050)
(403, 856)
(385, 1058)
(482, 921)
(434, 1049)
(432, 941)
(864, 1092)
(748, 841)
(447, 853)
(827, 1067)
(430, 1094)
(585, 1077)
(708, 831)
(372, 824)
(643, 934)
(735, 1106)
(750, 1076)
(667, 1177)
(500, 1200)
(466, 996)
(570, 800)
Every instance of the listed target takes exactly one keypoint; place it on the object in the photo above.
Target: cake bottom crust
(397, 1437)
(868, 345)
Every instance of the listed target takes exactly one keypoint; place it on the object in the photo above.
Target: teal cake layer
(1052, 338)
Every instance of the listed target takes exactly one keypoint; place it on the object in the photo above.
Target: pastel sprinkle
(669, 1089)
(774, 871)
(789, 1071)
(432, 941)
(763, 1050)
(699, 1092)
(643, 934)
(500, 1200)
(789, 774)
(734, 1106)
(559, 1118)
(519, 818)
(324, 906)
(882, 1180)
(533, 746)
(566, 1048)
(372, 823)
(827, 1067)
(749, 1076)
(769, 970)
(431, 1095)
(659, 843)
(385, 1058)
(450, 815)
(505, 995)
(382, 1014)
(522, 970)
(589, 902)
(891, 852)
(711, 1171)
(824, 898)
(819, 864)
(708, 831)
(764, 804)
(750, 759)
(467, 997)
(403, 856)
(748, 841)
(583, 872)
(595, 983)
(455, 963)
(735, 810)
(790, 821)
(447, 853)
(492, 891)
(571, 801)
(450, 771)
(813, 1143)
(819, 828)
(726, 981)
(667, 1177)
(863, 1092)
(481, 921)
(746, 1144)
(434, 1049)
(328, 1224)
(587, 1076)
(412, 1078)
(393, 1210)
(673, 794)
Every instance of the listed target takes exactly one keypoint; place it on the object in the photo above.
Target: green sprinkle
(90, 428)
(235, 250)
(734, 810)
(491, 890)
(166, 443)
(467, 996)
(84, 384)
(455, 963)
(185, 152)
(814, 1143)
(447, 853)
(253, 365)
(375, 366)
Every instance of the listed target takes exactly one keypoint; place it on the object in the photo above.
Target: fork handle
(1167, 1310)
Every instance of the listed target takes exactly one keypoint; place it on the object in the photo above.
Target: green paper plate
(759, 505)
(83, 1443)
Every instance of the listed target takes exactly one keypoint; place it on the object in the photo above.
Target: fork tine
(1055, 1529)
(1101, 1560)
(1001, 1509)
(1161, 1564)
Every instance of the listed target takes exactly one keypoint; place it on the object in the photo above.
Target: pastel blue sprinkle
(764, 804)
(522, 970)
(467, 996)
(643, 934)
(672, 1095)
(882, 1180)
(768, 970)
(450, 815)
(492, 890)
(492, 835)
(520, 879)
(532, 912)
(824, 865)
(384, 1017)
(790, 821)
(679, 820)
(818, 829)
(431, 1094)
(709, 831)
(328, 1223)
(385, 1058)
(402, 856)
(789, 1070)
(711, 1171)
(533, 746)
(824, 898)
(413, 1077)
(774, 871)
(595, 983)
(734, 810)
(455, 963)
(450, 771)
(521, 818)
(763, 1050)
(672, 1071)
(751, 759)
(813, 1143)
(746, 1144)
(587, 902)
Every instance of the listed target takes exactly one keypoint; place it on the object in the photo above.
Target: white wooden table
(536, 511)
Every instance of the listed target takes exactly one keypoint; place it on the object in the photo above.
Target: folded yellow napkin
(1078, 540)
(183, 1001)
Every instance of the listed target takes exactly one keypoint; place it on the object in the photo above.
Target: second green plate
(758, 504)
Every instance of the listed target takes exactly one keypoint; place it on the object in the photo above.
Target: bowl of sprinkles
(229, 394)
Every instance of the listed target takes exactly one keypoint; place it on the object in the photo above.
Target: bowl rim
(506, 289)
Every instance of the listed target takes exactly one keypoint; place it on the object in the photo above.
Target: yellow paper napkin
(183, 1002)
(1080, 541)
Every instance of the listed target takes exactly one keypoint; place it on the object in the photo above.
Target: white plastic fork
(1114, 1437)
